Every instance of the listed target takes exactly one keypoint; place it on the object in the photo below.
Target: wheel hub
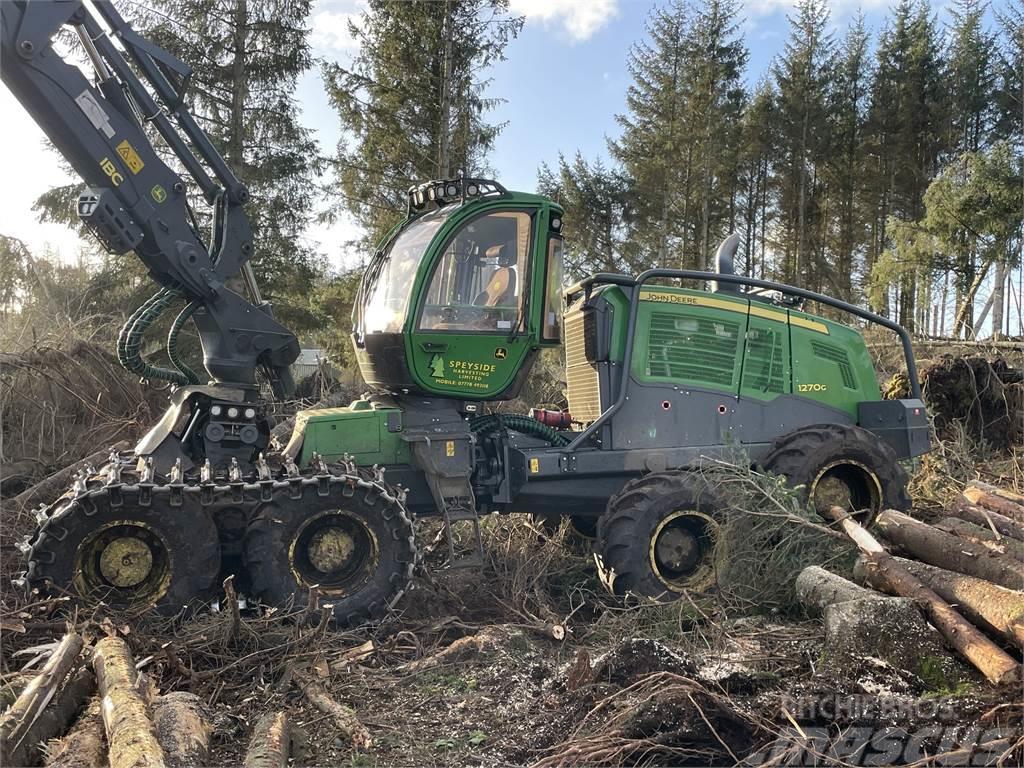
(682, 552)
(330, 549)
(126, 561)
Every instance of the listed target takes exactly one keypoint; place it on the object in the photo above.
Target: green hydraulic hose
(518, 423)
(172, 342)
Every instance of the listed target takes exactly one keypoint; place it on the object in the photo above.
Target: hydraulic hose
(518, 423)
(129, 343)
(172, 342)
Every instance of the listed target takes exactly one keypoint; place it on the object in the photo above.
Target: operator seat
(500, 290)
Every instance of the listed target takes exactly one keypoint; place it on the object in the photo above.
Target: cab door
(471, 330)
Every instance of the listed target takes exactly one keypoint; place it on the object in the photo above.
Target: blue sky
(563, 82)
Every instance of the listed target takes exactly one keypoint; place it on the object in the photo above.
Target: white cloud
(836, 7)
(579, 18)
(329, 23)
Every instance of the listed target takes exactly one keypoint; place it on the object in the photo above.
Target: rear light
(553, 419)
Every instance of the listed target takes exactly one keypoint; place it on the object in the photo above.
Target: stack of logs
(116, 717)
(966, 572)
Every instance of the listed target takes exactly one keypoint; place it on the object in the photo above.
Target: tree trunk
(54, 719)
(272, 742)
(240, 88)
(984, 517)
(983, 603)
(183, 729)
(444, 127)
(17, 723)
(985, 655)
(817, 588)
(935, 547)
(1003, 506)
(997, 491)
(130, 733)
(84, 746)
(977, 534)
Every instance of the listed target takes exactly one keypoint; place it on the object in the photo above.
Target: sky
(562, 83)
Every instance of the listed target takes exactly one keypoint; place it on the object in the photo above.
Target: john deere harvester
(665, 370)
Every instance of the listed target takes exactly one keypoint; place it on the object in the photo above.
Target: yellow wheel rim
(682, 550)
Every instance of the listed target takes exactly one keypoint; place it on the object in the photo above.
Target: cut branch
(344, 718)
(17, 723)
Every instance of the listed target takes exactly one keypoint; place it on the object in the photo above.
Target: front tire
(355, 543)
(841, 465)
(661, 536)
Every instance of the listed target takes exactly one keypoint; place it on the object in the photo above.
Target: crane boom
(134, 201)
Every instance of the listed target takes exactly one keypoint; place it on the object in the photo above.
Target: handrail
(608, 278)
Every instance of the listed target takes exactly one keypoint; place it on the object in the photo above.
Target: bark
(993, 520)
(986, 537)
(55, 718)
(344, 718)
(936, 547)
(130, 732)
(84, 746)
(995, 490)
(985, 655)
(50, 488)
(182, 728)
(817, 588)
(272, 742)
(17, 471)
(995, 503)
(18, 723)
(983, 603)
(485, 641)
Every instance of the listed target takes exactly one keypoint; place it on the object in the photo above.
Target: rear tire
(660, 536)
(354, 543)
(841, 465)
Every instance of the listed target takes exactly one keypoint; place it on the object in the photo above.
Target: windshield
(386, 299)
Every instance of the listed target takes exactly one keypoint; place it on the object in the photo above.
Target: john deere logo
(436, 367)
(500, 353)
(158, 193)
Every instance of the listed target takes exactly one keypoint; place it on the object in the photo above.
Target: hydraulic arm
(134, 200)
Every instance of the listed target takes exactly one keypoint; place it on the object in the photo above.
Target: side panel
(370, 436)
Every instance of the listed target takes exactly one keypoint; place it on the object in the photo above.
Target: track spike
(291, 467)
(400, 493)
(234, 471)
(146, 473)
(206, 472)
(114, 470)
(176, 471)
(42, 516)
(19, 583)
(262, 468)
(80, 486)
(24, 546)
(320, 464)
(378, 473)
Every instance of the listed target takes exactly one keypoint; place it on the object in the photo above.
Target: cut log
(986, 656)
(130, 732)
(182, 728)
(55, 718)
(272, 743)
(17, 722)
(344, 718)
(995, 490)
(985, 604)
(929, 544)
(48, 489)
(993, 520)
(817, 588)
(993, 540)
(1003, 506)
(84, 746)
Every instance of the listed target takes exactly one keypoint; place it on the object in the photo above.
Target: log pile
(965, 573)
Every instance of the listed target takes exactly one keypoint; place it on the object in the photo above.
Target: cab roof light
(441, 192)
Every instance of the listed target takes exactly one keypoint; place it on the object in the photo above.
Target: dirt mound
(983, 396)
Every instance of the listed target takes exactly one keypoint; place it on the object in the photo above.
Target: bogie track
(136, 540)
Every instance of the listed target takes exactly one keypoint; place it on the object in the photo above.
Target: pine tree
(654, 151)
(843, 168)
(246, 57)
(758, 143)
(412, 104)
(970, 78)
(801, 75)
(596, 206)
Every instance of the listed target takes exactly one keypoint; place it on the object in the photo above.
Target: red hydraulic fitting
(553, 419)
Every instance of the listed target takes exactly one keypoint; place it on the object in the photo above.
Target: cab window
(478, 284)
(553, 290)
